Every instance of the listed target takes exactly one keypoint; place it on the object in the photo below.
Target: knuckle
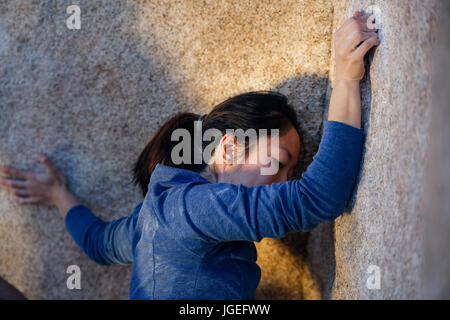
(370, 41)
(21, 184)
(18, 192)
(357, 25)
(356, 35)
(354, 23)
(361, 34)
(371, 34)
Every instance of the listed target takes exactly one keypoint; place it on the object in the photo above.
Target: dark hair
(251, 110)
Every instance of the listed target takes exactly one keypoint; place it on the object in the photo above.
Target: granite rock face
(91, 99)
(437, 224)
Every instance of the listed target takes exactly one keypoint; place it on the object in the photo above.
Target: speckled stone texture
(437, 224)
(91, 99)
(385, 226)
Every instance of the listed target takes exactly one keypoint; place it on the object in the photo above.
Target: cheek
(250, 174)
(253, 177)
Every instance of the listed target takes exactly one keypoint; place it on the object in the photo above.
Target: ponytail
(159, 149)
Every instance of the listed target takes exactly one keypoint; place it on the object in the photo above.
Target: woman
(192, 236)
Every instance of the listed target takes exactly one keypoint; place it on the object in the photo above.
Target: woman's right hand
(48, 188)
(350, 56)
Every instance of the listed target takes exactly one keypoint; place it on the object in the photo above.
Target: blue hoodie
(192, 239)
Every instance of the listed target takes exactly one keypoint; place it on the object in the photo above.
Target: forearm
(86, 230)
(104, 242)
(345, 103)
(327, 183)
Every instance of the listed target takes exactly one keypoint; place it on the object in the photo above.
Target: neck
(209, 174)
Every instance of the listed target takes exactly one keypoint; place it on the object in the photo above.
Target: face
(249, 174)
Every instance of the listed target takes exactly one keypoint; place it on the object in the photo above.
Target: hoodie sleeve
(104, 242)
(227, 212)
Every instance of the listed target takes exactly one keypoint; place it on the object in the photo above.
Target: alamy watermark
(373, 281)
(74, 280)
(234, 146)
(74, 21)
(374, 20)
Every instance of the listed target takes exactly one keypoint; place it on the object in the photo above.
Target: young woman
(192, 236)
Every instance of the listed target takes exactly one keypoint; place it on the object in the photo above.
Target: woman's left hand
(352, 41)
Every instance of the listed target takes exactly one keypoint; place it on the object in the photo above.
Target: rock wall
(382, 234)
(91, 98)
(437, 223)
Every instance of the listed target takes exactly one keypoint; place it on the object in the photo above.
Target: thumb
(46, 162)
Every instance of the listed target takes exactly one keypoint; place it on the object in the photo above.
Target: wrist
(64, 200)
(348, 83)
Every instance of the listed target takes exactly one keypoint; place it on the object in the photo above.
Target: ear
(227, 149)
